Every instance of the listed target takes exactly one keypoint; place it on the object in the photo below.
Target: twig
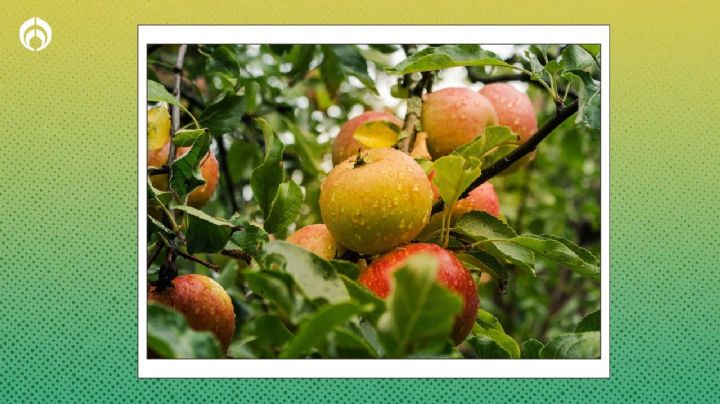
(226, 174)
(168, 272)
(158, 170)
(236, 254)
(198, 260)
(563, 113)
(175, 110)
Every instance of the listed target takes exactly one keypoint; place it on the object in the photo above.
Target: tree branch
(175, 110)
(475, 77)
(198, 260)
(563, 113)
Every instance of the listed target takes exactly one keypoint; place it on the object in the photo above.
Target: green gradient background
(68, 159)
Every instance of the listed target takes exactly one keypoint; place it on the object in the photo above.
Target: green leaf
(270, 330)
(285, 208)
(485, 262)
(185, 171)
(584, 254)
(347, 268)
(574, 57)
(593, 49)
(307, 148)
(331, 73)
(531, 349)
(343, 61)
(493, 237)
(300, 57)
(558, 252)
(315, 328)
(589, 100)
(156, 195)
(156, 92)
(156, 226)
(170, 336)
(584, 345)
(499, 338)
(446, 56)
(249, 238)
(488, 320)
(489, 147)
(205, 234)
(315, 277)
(591, 322)
(453, 174)
(224, 116)
(187, 137)
(420, 312)
(271, 286)
(375, 305)
(353, 345)
(266, 177)
(382, 48)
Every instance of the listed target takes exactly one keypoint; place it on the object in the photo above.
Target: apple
(482, 198)
(376, 200)
(158, 127)
(513, 107)
(209, 169)
(454, 116)
(514, 110)
(317, 239)
(345, 145)
(204, 303)
(451, 274)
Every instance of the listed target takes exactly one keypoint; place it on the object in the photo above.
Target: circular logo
(35, 34)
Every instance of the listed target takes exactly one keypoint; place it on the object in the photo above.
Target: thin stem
(198, 260)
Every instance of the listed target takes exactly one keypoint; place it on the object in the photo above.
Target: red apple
(451, 274)
(482, 198)
(204, 303)
(317, 239)
(454, 116)
(345, 145)
(514, 110)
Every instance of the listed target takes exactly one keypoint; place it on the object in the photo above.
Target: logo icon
(35, 34)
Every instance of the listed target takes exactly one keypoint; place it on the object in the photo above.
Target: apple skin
(345, 145)
(317, 239)
(158, 127)
(513, 107)
(376, 204)
(451, 274)
(514, 110)
(454, 116)
(204, 303)
(483, 198)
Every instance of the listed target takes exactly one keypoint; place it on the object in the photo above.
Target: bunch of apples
(376, 201)
(203, 302)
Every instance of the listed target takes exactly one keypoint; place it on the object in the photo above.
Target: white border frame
(374, 368)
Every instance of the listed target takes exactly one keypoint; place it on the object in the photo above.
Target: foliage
(270, 113)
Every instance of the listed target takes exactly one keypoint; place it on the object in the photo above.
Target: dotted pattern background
(68, 326)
